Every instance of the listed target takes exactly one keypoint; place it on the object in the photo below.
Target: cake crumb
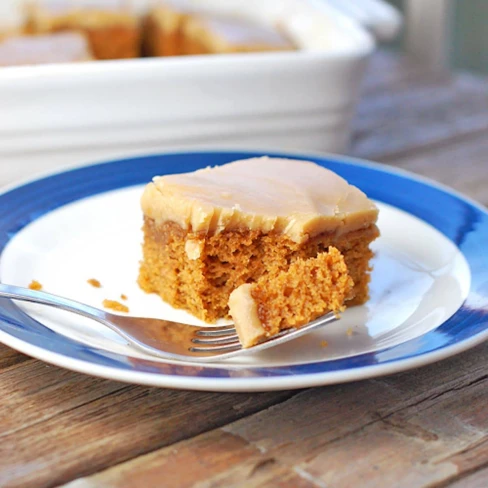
(115, 305)
(93, 282)
(349, 332)
(123, 297)
(35, 285)
(324, 343)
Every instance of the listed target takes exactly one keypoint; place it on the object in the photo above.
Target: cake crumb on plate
(93, 282)
(115, 305)
(35, 285)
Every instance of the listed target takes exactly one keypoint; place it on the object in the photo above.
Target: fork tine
(215, 340)
(234, 346)
(226, 343)
(216, 331)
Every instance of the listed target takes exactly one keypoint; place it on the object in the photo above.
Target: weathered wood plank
(56, 425)
(9, 357)
(422, 435)
(471, 462)
(33, 392)
(412, 429)
(462, 165)
(474, 480)
(419, 113)
(203, 463)
(387, 69)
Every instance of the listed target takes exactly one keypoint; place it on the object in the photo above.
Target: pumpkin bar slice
(113, 29)
(67, 47)
(210, 231)
(217, 35)
(308, 289)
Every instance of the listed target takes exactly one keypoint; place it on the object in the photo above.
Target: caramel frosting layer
(297, 198)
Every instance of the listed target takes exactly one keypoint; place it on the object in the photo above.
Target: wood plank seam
(19, 363)
(50, 417)
(481, 442)
(16, 361)
(460, 476)
(261, 465)
(406, 428)
(9, 357)
(436, 396)
(303, 473)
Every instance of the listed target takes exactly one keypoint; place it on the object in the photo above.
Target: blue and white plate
(429, 290)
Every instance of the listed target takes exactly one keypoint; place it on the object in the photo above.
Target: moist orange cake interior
(308, 289)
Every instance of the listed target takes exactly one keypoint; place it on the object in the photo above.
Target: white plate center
(420, 279)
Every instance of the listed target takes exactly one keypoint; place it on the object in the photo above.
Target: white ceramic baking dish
(291, 100)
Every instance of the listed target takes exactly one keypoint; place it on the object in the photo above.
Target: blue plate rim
(259, 379)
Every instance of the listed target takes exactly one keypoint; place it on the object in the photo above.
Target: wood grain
(462, 165)
(475, 480)
(9, 357)
(203, 462)
(418, 111)
(412, 429)
(387, 69)
(57, 425)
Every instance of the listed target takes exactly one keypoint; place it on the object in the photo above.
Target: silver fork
(164, 338)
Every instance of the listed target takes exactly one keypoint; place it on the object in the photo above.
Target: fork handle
(43, 298)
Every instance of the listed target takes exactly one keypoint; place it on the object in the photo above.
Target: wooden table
(422, 428)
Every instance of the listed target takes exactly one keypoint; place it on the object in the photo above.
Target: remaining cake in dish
(67, 47)
(163, 29)
(112, 29)
(308, 289)
(213, 35)
(208, 232)
(175, 28)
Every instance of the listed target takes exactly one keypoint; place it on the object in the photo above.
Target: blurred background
(449, 33)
